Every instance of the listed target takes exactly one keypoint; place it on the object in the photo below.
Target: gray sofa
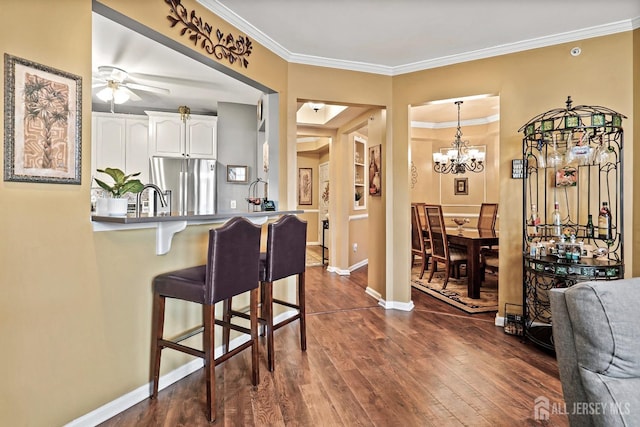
(596, 334)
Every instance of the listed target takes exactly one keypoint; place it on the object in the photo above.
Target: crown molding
(241, 24)
(570, 36)
(445, 125)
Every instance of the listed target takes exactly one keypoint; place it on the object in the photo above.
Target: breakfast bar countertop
(168, 225)
(190, 217)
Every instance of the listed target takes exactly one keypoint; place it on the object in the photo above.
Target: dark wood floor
(365, 365)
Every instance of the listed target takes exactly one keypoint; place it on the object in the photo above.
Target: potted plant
(122, 184)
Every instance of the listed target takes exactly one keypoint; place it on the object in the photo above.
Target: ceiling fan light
(120, 96)
(105, 94)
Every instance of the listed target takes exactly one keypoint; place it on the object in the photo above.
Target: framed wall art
(375, 170)
(237, 173)
(43, 123)
(305, 186)
(567, 177)
(461, 186)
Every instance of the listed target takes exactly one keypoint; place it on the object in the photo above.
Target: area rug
(456, 292)
(314, 256)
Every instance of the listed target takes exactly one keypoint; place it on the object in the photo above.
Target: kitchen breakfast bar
(167, 225)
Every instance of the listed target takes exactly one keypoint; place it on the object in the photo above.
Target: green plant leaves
(122, 183)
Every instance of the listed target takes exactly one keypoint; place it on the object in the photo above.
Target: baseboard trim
(340, 272)
(396, 305)
(134, 397)
(359, 264)
(143, 392)
(373, 293)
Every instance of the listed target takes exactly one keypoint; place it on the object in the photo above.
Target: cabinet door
(201, 137)
(166, 136)
(109, 144)
(137, 149)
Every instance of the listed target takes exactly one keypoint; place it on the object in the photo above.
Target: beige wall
(527, 85)
(431, 187)
(632, 204)
(311, 160)
(76, 304)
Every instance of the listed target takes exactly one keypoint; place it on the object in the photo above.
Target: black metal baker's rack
(572, 156)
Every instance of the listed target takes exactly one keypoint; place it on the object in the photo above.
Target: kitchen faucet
(163, 201)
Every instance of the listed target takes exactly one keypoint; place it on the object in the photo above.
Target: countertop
(168, 225)
(189, 217)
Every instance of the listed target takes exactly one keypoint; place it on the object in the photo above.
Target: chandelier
(460, 158)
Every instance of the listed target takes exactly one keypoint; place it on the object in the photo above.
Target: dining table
(473, 240)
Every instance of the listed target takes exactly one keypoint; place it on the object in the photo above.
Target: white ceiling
(190, 82)
(385, 37)
(396, 36)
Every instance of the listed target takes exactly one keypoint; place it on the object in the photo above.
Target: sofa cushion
(606, 323)
(605, 320)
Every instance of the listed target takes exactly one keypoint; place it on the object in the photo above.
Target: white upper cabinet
(170, 136)
(120, 141)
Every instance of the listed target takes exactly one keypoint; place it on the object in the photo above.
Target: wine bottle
(556, 221)
(604, 222)
(590, 229)
(534, 222)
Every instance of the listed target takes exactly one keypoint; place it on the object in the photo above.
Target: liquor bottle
(590, 229)
(604, 222)
(556, 221)
(534, 222)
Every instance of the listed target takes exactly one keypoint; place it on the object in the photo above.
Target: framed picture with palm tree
(43, 123)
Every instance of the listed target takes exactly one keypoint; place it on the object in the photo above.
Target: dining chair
(423, 220)
(487, 218)
(232, 268)
(440, 250)
(418, 242)
(489, 260)
(284, 257)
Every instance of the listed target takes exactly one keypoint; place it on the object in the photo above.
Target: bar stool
(284, 257)
(233, 264)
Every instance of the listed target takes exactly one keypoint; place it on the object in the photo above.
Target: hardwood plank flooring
(367, 366)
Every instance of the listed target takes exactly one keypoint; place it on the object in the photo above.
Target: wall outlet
(355, 247)
(232, 205)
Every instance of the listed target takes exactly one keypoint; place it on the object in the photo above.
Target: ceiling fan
(113, 85)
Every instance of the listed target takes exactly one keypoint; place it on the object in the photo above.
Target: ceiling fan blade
(108, 72)
(132, 95)
(146, 88)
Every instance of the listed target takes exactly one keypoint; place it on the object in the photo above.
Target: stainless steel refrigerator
(192, 183)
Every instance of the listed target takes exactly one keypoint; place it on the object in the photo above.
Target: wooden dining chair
(418, 243)
(488, 215)
(489, 261)
(440, 251)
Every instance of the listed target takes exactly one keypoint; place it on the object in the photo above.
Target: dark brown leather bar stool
(284, 257)
(233, 265)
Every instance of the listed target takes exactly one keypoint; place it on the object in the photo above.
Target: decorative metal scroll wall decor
(414, 174)
(199, 32)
